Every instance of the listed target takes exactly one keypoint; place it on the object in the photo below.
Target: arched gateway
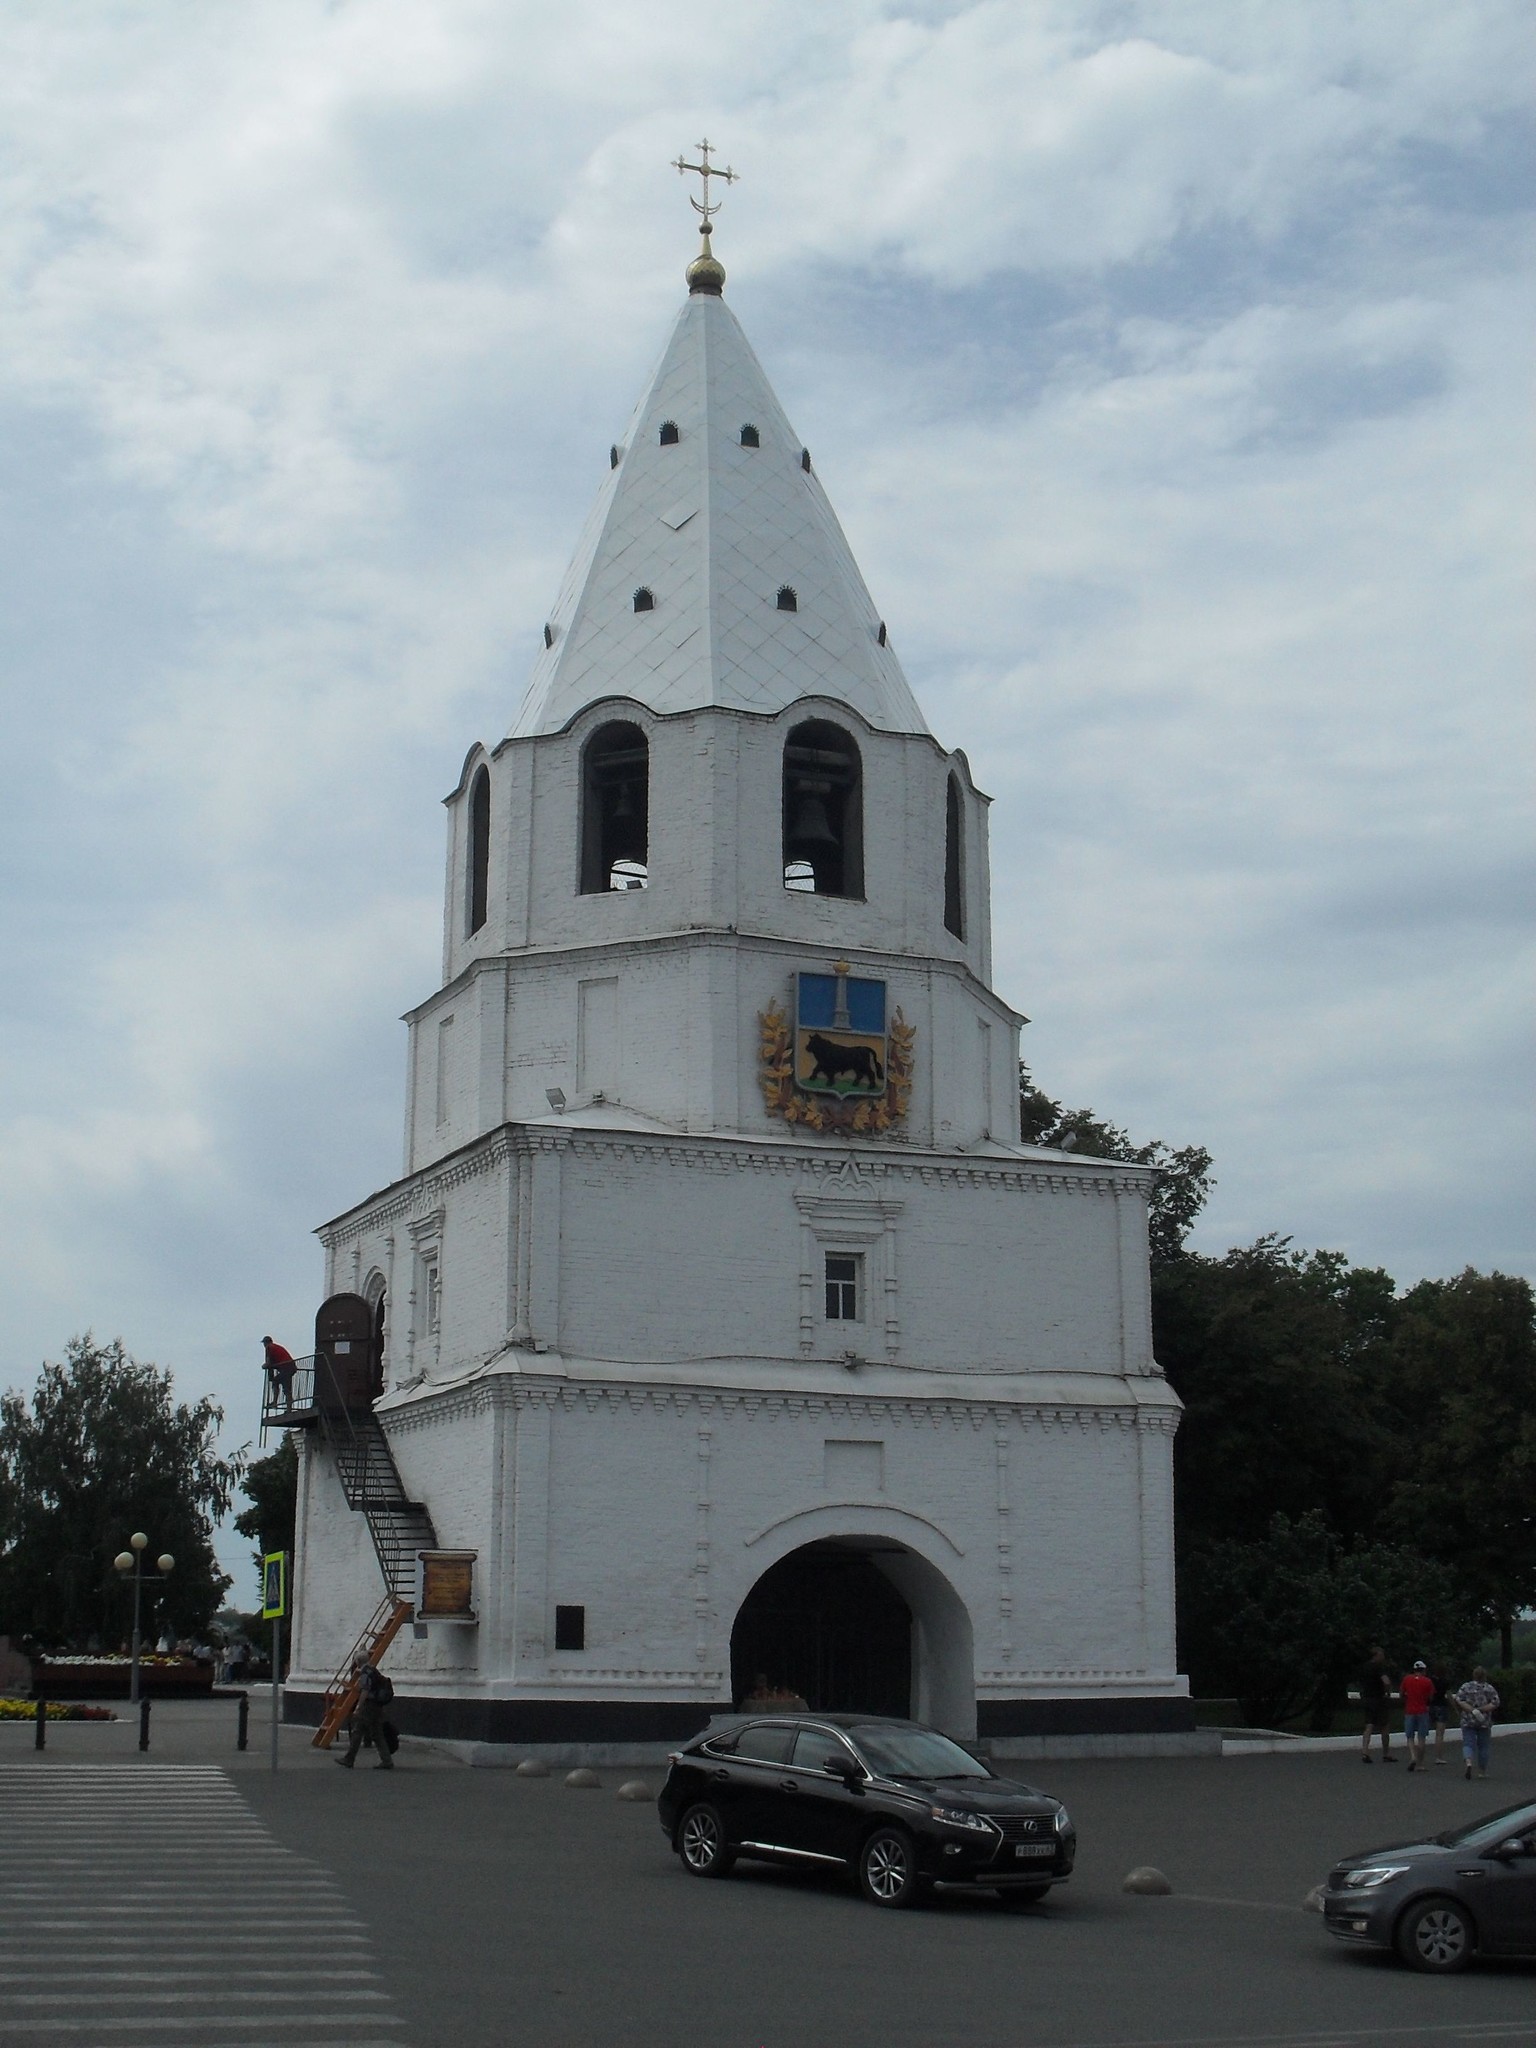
(857, 1624)
(733, 1334)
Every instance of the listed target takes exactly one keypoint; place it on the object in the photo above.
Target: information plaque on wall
(445, 1585)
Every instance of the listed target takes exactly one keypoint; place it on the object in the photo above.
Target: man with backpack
(374, 1693)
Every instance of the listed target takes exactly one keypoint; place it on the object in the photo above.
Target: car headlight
(957, 1817)
(1369, 1875)
(1063, 1821)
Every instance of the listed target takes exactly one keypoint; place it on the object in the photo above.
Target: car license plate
(1034, 1848)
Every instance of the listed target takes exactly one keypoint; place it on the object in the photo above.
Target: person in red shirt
(280, 1367)
(1417, 1690)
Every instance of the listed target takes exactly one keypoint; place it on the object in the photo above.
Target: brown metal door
(344, 1361)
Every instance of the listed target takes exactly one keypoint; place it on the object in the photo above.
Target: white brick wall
(658, 1508)
(627, 1398)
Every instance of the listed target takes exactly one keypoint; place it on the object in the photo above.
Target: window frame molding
(424, 1308)
(864, 1224)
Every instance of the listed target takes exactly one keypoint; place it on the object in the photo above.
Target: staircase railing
(371, 1483)
(372, 1486)
(293, 1406)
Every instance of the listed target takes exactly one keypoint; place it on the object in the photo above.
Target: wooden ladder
(389, 1617)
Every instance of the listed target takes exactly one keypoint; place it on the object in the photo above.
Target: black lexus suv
(899, 1806)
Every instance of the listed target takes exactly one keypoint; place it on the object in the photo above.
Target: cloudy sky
(1167, 365)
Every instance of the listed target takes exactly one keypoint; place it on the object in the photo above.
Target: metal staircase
(366, 1467)
(372, 1486)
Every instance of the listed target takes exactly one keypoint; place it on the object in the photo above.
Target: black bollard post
(144, 1722)
(40, 1739)
(243, 1740)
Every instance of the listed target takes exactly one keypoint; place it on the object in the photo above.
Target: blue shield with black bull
(840, 1036)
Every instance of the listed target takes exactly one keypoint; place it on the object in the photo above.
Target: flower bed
(58, 1710)
(95, 1677)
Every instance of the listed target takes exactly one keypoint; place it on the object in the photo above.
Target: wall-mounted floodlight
(555, 1097)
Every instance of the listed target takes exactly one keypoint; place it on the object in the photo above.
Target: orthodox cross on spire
(704, 273)
(704, 170)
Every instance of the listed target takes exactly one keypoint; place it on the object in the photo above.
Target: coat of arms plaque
(845, 1063)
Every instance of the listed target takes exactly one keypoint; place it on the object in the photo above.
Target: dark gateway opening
(827, 1624)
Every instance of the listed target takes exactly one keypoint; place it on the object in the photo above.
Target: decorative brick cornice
(1086, 1674)
(430, 1411)
(719, 1154)
(634, 1674)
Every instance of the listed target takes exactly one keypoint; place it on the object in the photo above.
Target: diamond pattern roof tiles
(713, 530)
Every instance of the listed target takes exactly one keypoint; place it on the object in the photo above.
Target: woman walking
(1477, 1703)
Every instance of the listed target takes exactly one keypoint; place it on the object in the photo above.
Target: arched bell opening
(954, 860)
(615, 809)
(857, 1625)
(823, 811)
(477, 867)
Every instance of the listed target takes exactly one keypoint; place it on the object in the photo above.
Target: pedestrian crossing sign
(274, 1585)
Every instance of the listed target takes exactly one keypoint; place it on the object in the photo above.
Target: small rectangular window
(570, 1628)
(842, 1287)
(427, 1305)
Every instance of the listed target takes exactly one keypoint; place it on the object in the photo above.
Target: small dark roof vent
(749, 438)
(880, 636)
(669, 436)
(613, 456)
(787, 600)
(645, 600)
(805, 460)
(549, 636)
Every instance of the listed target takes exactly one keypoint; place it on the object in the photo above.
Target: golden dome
(705, 273)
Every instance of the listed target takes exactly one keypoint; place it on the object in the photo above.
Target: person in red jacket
(280, 1367)
(1417, 1691)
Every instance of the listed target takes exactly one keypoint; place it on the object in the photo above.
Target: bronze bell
(811, 827)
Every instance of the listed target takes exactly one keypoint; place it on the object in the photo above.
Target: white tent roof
(713, 530)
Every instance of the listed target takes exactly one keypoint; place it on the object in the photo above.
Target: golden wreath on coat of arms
(842, 1064)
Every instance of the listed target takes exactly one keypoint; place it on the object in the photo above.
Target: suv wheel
(888, 1868)
(701, 1843)
(1436, 1934)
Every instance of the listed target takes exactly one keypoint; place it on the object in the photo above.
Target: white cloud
(1162, 360)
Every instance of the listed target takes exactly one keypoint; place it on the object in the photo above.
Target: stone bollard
(533, 1767)
(40, 1739)
(144, 1723)
(583, 1780)
(243, 1723)
(636, 1789)
(1313, 1902)
(1149, 1882)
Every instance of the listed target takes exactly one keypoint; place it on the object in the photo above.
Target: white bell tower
(728, 1323)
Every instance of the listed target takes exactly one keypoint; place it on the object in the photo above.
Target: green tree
(1184, 1180)
(1282, 1621)
(271, 1485)
(1463, 1371)
(104, 1449)
(1281, 1360)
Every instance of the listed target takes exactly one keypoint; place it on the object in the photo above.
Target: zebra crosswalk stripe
(116, 1927)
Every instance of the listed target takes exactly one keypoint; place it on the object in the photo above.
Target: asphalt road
(522, 1914)
(510, 1911)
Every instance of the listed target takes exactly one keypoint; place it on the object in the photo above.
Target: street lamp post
(132, 1560)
